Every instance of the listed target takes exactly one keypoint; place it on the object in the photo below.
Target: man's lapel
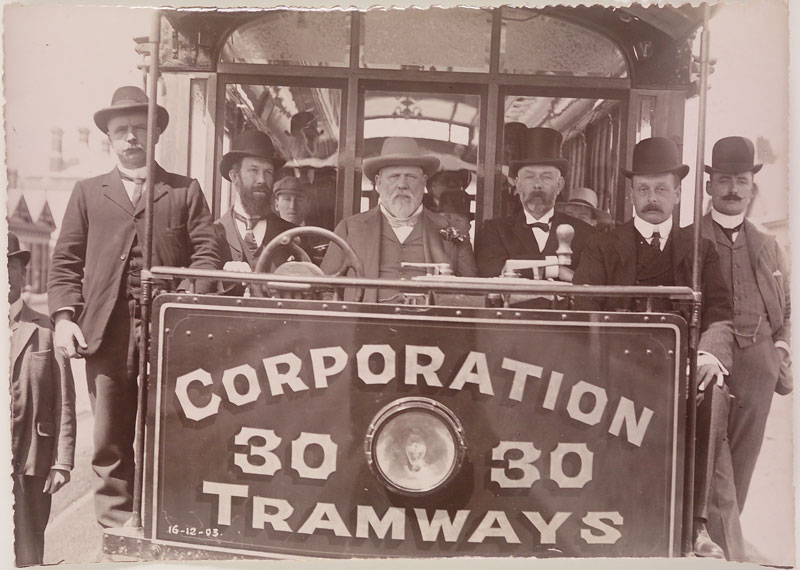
(365, 237)
(682, 244)
(25, 329)
(524, 234)
(755, 242)
(625, 246)
(232, 236)
(160, 190)
(114, 190)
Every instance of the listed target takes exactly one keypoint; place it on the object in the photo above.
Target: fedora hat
(400, 151)
(656, 155)
(585, 198)
(733, 155)
(540, 145)
(125, 100)
(14, 249)
(455, 202)
(251, 142)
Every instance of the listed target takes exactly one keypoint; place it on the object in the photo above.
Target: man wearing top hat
(531, 232)
(650, 250)
(94, 285)
(754, 268)
(399, 229)
(42, 414)
(250, 224)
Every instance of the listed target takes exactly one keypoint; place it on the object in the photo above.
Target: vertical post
(694, 325)
(147, 279)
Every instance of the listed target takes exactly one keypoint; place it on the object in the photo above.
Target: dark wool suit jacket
(98, 230)
(772, 275)
(510, 237)
(609, 258)
(43, 398)
(363, 233)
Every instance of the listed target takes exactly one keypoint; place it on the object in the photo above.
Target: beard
(539, 202)
(402, 204)
(256, 200)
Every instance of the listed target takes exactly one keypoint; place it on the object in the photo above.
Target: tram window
(444, 124)
(453, 39)
(303, 122)
(533, 43)
(292, 38)
(590, 130)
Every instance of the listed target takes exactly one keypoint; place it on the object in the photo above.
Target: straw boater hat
(251, 142)
(400, 151)
(14, 249)
(125, 100)
(656, 155)
(540, 145)
(733, 155)
(585, 198)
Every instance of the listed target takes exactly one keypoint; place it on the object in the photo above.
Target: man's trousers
(31, 512)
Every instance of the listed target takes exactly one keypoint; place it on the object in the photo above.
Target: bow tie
(540, 225)
(249, 223)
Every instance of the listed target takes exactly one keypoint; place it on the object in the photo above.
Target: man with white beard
(399, 229)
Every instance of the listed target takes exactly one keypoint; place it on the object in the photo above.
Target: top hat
(461, 178)
(125, 100)
(656, 155)
(14, 249)
(290, 185)
(540, 145)
(584, 198)
(301, 121)
(455, 202)
(251, 142)
(400, 151)
(733, 155)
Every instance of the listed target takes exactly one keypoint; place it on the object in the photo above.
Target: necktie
(541, 225)
(249, 236)
(730, 231)
(655, 241)
(396, 222)
(138, 186)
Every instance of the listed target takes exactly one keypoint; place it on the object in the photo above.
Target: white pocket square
(777, 273)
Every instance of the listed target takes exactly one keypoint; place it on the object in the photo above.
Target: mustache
(732, 197)
(652, 208)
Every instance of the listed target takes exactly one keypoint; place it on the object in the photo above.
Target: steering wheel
(305, 266)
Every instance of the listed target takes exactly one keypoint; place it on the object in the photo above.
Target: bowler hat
(455, 202)
(125, 100)
(290, 185)
(733, 155)
(251, 142)
(461, 177)
(656, 155)
(14, 249)
(540, 145)
(400, 151)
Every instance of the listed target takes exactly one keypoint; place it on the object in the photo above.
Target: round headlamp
(415, 445)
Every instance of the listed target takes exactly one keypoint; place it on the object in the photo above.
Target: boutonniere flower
(452, 234)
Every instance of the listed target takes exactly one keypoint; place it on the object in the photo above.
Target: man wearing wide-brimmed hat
(94, 285)
(582, 204)
(755, 269)
(42, 414)
(650, 250)
(399, 228)
(531, 232)
(250, 224)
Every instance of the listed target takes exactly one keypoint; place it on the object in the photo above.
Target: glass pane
(445, 125)
(535, 44)
(184, 50)
(292, 38)
(303, 122)
(590, 130)
(454, 39)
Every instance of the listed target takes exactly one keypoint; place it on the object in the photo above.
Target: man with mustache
(94, 286)
(650, 250)
(531, 232)
(754, 268)
(250, 224)
(399, 229)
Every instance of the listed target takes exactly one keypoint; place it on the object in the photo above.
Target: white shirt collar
(647, 229)
(725, 220)
(15, 309)
(545, 219)
(135, 173)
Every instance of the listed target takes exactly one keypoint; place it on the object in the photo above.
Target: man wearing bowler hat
(94, 286)
(650, 250)
(250, 224)
(42, 414)
(531, 232)
(754, 268)
(399, 229)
